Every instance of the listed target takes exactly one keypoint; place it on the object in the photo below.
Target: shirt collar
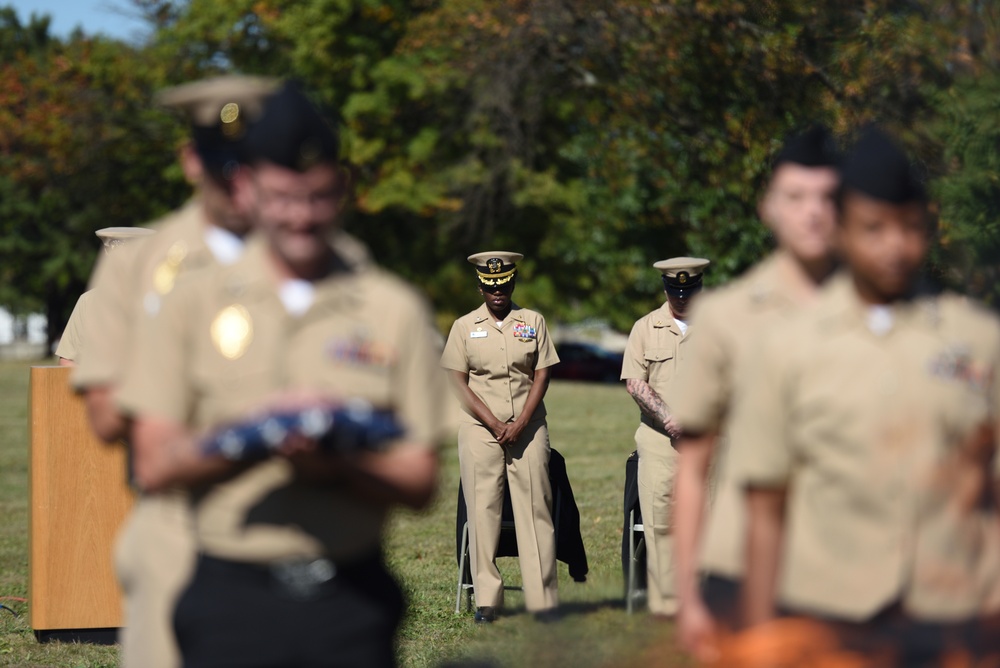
(482, 314)
(840, 306)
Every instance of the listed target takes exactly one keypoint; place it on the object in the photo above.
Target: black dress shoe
(548, 616)
(486, 615)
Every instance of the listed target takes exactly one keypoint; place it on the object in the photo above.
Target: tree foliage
(595, 136)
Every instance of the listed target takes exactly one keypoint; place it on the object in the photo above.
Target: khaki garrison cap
(682, 275)
(113, 237)
(495, 267)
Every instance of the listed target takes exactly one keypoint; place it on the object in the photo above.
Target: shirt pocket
(524, 353)
(478, 351)
(659, 363)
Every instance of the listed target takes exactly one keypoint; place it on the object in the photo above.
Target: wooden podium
(78, 500)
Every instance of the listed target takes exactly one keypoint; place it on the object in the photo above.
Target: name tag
(478, 335)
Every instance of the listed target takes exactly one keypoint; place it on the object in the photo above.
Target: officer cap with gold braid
(221, 110)
(682, 275)
(495, 267)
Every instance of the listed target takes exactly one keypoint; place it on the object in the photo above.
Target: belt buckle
(302, 580)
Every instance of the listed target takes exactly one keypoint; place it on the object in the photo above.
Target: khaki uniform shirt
(500, 361)
(887, 446)
(222, 343)
(727, 320)
(71, 343)
(653, 354)
(143, 269)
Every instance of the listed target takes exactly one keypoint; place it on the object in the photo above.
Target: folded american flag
(347, 428)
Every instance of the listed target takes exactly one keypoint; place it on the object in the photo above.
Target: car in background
(579, 360)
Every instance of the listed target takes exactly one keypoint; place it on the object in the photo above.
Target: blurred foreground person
(865, 434)
(653, 358)
(798, 209)
(499, 357)
(289, 569)
(74, 337)
(155, 551)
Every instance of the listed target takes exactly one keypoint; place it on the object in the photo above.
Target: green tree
(81, 148)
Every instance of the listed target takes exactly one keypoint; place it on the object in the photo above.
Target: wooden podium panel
(78, 500)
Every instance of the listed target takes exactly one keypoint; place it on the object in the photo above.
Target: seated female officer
(499, 356)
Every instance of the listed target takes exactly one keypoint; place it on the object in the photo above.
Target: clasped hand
(508, 432)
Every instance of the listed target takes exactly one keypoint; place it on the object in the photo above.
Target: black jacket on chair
(630, 503)
(566, 518)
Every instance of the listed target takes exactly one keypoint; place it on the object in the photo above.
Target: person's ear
(191, 163)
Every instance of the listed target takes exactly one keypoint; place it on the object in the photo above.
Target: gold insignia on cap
(233, 126)
(682, 277)
(494, 264)
(229, 113)
(166, 272)
(232, 331)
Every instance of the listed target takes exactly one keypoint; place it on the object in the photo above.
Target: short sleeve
(547, 355)
(706, 373)
(760, 452)
(634, 363)
(71, 341)
(112, 308)
(157, 380)
(455, 356)
(420, 382)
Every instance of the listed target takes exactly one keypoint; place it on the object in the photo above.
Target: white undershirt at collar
(297, 296)
(226, 247)
(683, 325)
(879, 319)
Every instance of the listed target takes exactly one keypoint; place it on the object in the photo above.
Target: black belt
(299, 579)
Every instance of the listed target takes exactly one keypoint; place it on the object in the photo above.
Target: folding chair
(636, 561)
(506, 547)
(633, 537)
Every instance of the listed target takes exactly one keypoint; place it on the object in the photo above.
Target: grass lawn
(591, 425)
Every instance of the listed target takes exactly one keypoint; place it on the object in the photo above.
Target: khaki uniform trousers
(657, 467)
(485, 468)
(154, 559)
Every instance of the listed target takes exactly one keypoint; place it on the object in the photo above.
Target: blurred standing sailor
(865, 435)
(499, 357)
(289, 569)
(798, 209)
(155, 550)
(653, 358)
(73, 340)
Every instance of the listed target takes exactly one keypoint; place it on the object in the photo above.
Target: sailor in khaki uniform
(499, 358)
(653, 358)
(73, 340)
(865, 435)
(154, 551)
(798, 208)
(290, 571)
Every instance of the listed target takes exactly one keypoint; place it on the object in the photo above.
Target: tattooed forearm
(648, 400)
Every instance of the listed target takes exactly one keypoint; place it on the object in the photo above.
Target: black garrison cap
(291, 133)
(814, 147)
(877, 167)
